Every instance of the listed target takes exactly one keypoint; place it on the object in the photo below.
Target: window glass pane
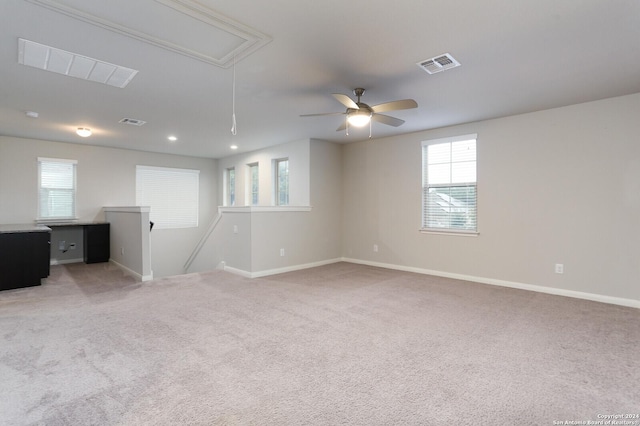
(283, 182)
(463, 172)
(463, 151)
(254, 184)
(451, 208)
(231, 189)
(439, 153)
(439, 173)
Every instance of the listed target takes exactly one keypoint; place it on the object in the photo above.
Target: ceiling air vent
(438, 63)
(132, 121)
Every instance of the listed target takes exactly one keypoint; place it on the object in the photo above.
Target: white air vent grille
(132, 121)
(49, 58)
(438, 63)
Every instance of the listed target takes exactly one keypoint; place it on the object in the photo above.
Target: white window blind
(171, 193)
(449, 187)
(56, 188)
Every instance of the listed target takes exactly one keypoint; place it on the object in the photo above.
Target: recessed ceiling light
(31, 114)
(172, 138)
(83, 132)
(234, 147)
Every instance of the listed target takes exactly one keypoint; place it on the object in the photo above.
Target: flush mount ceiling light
(172, 138)
(234, 147)
(83, 132)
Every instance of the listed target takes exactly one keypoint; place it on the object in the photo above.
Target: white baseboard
(236, 271)
(65, 261)
(294, 268)
(276, 271)
(482, 280)
(132, 273)
(502, 283)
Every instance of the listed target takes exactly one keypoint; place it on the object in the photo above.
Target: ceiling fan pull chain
(234, 129)
(347, 124)
(370, 128)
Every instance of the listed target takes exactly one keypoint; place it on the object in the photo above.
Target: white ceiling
(516, 56)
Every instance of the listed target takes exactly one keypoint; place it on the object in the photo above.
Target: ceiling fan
(360, 114)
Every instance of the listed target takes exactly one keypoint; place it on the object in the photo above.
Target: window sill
(263, 209)
(449, 232)
(58, 220)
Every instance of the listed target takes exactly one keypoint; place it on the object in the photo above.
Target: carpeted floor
(341, 344)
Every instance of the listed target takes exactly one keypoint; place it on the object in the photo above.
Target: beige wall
(106, 177)
(297, 152)
(307, 236)
(555, 186)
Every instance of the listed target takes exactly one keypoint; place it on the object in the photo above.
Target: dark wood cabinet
(97, 247)
(24, 256)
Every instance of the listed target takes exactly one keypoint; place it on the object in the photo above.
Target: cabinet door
(24, 259)
(41, 252)
(97, 247)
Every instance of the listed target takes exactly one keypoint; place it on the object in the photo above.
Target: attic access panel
(212, 37)
(51, 59)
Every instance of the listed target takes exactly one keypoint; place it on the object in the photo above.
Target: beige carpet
(341, 344)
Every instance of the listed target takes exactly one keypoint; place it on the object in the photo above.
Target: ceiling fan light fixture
(83, 132)
(359, 118)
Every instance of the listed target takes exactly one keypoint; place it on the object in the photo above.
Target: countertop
(23, 227)
(60, 224)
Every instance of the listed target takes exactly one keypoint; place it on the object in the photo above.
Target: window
(254, 179)
(449, 184)
(230, 186)
(282, 182)
(172, 195)
(56, 188)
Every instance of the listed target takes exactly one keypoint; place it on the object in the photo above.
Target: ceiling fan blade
(345, 100)
(342, 127)
(324, 113)
(395, 105)
(385, 119)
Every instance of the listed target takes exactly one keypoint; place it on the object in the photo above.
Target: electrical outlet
(61, 245)
(375, 248)
(281, 252)
(559, 268)
(122, 250)
(235, 229)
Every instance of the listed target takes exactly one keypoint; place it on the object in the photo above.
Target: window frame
(426, 186)
(276, 182)
(230, 186)
(253, 184)
(74, 190)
